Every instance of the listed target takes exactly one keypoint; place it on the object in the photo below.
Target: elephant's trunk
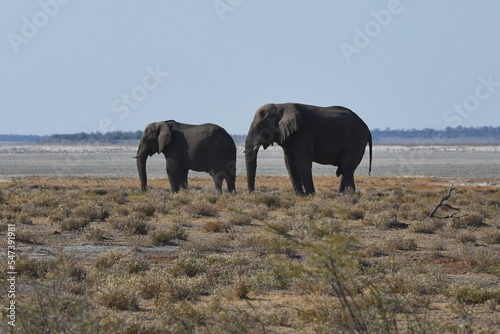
(141, 168)
(251, 164)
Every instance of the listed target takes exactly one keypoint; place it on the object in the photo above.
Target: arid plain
(95, 254)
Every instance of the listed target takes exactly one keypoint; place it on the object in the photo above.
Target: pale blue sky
(73, 65)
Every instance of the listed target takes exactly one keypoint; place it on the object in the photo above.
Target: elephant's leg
(293, 172)
(231, 182)
(347, 181)
(305, 171)
(173, 176)
(184, 178)
(218, 179)
(231, 175)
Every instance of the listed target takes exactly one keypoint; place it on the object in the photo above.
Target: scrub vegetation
(97, 255)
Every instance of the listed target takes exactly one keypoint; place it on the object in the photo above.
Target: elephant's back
(211, 136)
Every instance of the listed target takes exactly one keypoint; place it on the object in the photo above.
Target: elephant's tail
(370, 146)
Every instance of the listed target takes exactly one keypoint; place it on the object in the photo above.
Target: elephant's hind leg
(347, 181)
(231, 182)
(218, 178)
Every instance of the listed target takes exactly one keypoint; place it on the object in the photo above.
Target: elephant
(325, 135)
(203, 148)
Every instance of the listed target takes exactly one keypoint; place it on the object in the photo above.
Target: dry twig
(442, 203)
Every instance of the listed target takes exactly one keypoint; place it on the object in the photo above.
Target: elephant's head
(155, 138)
(271, 124)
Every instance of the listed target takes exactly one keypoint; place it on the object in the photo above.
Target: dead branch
(442, 203)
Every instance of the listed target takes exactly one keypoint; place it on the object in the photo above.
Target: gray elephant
(326, 135)
(203, 148)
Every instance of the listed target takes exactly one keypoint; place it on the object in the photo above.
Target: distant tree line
(473, 135)
(461, 135)
(108, 137)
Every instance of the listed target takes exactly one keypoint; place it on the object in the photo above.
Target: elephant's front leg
(184, 177)
(174, 175)
(305, 171)
(294, 174)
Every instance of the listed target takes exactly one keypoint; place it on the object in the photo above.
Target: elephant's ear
(164, 136)
(290, 122)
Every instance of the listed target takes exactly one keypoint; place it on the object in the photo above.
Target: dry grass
(99, 255)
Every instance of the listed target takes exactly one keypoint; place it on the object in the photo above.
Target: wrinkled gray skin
(326, 135)
(202, 148)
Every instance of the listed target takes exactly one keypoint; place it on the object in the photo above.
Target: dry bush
(271, 200)
(146, 209)
(26, 236)
(33, 267)
(479, 260)
(351, 213)
(49, 307)
(467, 238)
(473, 294)
(118, 196)
(216, 225)
(269, 243)
(119, 293)
(213, 244)
(202, 209)
(239, 219)
(161, 237)
(93, 233)
(427, 226)
(74, 224)
(117, 261)
(468, 219)
(401, 243)
(91, 211)
(190, 265)
(185, 288)
(492, 238)
(419, 282)
(153, 284)
(135, 223)
(384, 220)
